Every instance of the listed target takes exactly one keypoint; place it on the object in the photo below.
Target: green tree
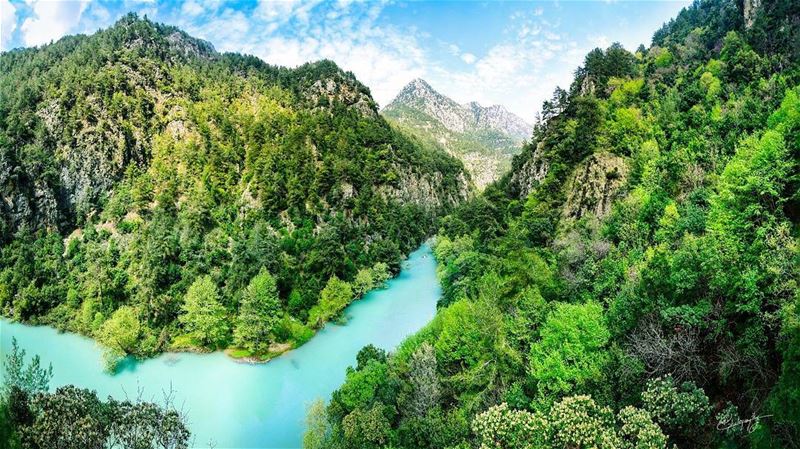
(147, 425)
(119, 334)
(31, 377)
(318, 429)
(380, 274)
(578, 422)
(258, 313)
(681, 410)
(21, 382)
(204, 317)
(364, 429)
(501, 427)
(638, 431)
(336, 295)
(74, 418)
(363, 282)
(368, 353)
(70, 418)
(425, 389)
(571, 352)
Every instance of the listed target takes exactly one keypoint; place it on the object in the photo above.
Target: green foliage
(571, 351)
(503, 428)
(258, 313)
(30, 377)
(466, 336)
(74, 418)
(367, 428)
(362, 386)
(368, 353)
(120, 335)
(317, 427)
(425, 389)
(638, 431)
(203, 316)
(370, 278)
(336, 295)
(577, 421)
(681, 410)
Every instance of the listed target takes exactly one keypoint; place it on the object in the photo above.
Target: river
(236, 405)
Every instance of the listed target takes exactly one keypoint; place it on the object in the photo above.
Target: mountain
(483, 138)
(634, 280)
(149, 180)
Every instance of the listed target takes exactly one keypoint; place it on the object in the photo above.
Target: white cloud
(552, 36)
(599, 41)
(469, 58)
(519, 73)
(8, 23)
(291, 33)
(282, 11)
(192, 8)
(50, 20)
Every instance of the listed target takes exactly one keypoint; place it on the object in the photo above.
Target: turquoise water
(236, 405)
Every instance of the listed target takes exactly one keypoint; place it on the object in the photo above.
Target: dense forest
(159, 195)
(633, 282)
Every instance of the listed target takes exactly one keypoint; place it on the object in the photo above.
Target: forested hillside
(159, 195)
(633, 282)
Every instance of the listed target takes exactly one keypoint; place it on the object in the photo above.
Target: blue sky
(509, 53)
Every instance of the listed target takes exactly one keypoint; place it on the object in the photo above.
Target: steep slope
(484, 139)
(138, 163)
(633, 282)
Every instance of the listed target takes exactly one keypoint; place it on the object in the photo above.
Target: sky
(494, 52)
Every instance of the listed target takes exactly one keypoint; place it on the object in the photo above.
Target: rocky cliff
(483, 138)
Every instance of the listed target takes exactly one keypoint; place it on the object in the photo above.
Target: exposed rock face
(484, 138)
(24, 204)
(333, 90)
(498, 118)
(594, 186)
(189, 46)
(532, 171)
(750, 7)
(97, 158)
(419, 95)
(425, 190)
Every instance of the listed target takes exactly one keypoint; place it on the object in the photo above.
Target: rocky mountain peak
(498, 118)
(418, 94)
(132, 32)
(419, 85)
(484, 138)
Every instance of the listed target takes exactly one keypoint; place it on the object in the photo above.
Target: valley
(199, 248)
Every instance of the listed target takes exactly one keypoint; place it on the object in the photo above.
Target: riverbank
(186, 343)
(239, 404)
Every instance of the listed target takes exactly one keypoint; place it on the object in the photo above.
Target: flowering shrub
(503, 428)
